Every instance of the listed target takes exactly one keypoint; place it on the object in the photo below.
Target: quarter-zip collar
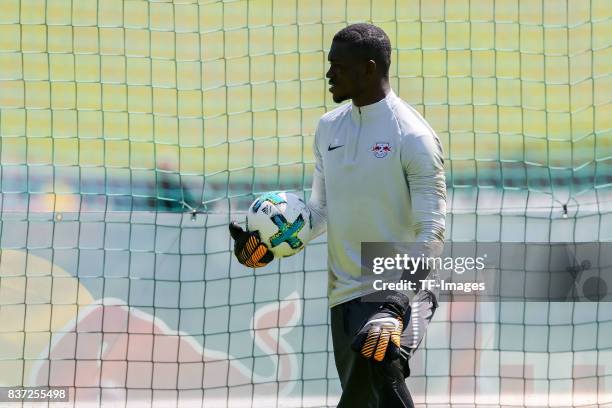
(368, 112)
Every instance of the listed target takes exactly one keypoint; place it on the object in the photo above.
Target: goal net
(132, 132)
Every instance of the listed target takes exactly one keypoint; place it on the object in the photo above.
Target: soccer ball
(282, 220)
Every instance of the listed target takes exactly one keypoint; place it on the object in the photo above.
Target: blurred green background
(220, 99)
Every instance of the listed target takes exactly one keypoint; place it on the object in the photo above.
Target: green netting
(120, 118)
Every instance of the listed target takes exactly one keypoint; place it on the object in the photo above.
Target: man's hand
(248, 248)
(379, 338)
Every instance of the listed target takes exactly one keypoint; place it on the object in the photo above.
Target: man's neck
(372, 96)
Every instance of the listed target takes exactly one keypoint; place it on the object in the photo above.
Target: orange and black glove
(379, 338)
(248, 248)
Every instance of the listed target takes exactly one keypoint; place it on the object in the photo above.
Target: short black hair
(370, 41)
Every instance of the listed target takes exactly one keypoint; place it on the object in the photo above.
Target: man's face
(346, 74)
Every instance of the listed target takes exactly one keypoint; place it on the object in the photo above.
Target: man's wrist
(397, 302)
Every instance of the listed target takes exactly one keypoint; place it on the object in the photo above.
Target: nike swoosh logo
(330, 147)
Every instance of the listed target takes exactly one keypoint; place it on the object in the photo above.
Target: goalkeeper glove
(248, 248)
(379, 338)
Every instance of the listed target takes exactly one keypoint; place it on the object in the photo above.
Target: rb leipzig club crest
(381, 149)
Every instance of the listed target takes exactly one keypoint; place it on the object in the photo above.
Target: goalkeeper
(379, 177)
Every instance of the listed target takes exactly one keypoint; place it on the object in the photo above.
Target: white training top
(379, 177)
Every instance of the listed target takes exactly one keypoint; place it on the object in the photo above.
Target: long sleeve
(317, 202)
(423, 163)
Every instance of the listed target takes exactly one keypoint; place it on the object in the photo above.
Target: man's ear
(371, 68)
